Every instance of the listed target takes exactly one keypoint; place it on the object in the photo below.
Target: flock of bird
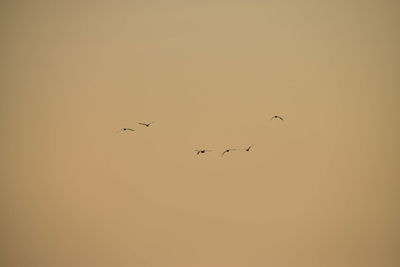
(140, 123)
(199, 151)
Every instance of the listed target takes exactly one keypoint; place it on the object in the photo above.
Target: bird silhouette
(202, 151)
(248, 149)
(277, 117)
(146, 124)
(125, 129)
(228, 150)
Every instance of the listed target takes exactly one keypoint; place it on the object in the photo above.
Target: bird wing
(224, 152)
(280, 118)
(141, 123)
(130, 129)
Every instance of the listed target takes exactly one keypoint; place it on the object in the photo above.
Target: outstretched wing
(124, 129)
(141, 123)
(277, 117)
(224, 152)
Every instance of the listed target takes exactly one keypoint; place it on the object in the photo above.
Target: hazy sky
(319, 189)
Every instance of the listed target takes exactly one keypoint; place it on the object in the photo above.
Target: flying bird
(228, 150)
(202, 151)
(125, 129)
(277, 117)
(248, 149)
(146, 124)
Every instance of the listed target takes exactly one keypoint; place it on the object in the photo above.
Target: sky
(317, 189)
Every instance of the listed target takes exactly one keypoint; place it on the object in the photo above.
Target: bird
(277, 117)
(125, 129)
(202, 151)
(248, 149)
(146, 124)
(228, 150)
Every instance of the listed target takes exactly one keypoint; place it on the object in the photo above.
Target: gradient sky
(319, 189)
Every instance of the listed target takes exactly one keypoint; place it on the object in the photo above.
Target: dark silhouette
(125, 129)
(202, 151)
(228, 150)
(277, 117)
(146, 124)
(248, 149)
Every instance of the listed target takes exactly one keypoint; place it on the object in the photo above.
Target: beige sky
(319, 189)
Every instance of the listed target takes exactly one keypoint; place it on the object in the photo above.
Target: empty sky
(319, 189)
